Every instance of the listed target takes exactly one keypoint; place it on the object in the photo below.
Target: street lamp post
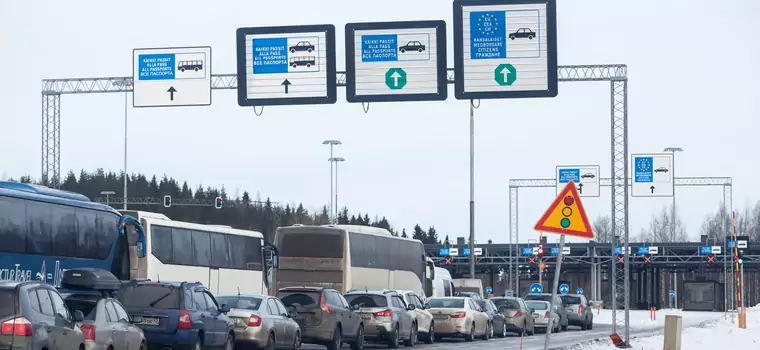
(124, 84)
(333, 212)
(673, 150)
(107, 194)
(336, 160)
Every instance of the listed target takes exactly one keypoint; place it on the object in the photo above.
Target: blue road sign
(643, 169)
(527, 251)
(509, 293)
(396, 61)
(672, 293)
(618, 250)
(555, 250)
(290, 65)
(170, 77)
(643, 250)
(567, 175)
(505, 49)
(579, 291)
(564, 288)
(444, 252)
(536, 288)
(730, 244)
(705, 250)
(489, 290)
(465, 252)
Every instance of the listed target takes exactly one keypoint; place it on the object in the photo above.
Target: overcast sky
(692, 72)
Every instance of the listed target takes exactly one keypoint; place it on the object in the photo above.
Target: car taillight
(254, 320)
(548, 314)
(518, 313)
(185, 321)
(19, 326)
(88, 331)
(384, 313)
(580, 308)
(459, 314)
(324, 306)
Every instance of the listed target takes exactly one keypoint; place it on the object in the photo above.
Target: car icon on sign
(301, 46)
(588, 176)
(412, 46)
(522, 33)
(661, 170)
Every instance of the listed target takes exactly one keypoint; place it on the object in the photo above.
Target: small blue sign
(672, 293)
(444, 252)
(643, 250)
(619, 250)
(536, 288)
(564, 288)
(488, 31)
(567, 175)
(643, 169)
(555, 250)
(579, 291)
(527, 251)
(509, 293)
(270, 55)
(465, 252)
(730, 244)
(489, 290)
(379, 48)
(705, 250)
(158, 66)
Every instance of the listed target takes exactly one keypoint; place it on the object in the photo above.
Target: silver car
(459, 317)
(423, 317)
(262, 321)
(106, 324)
(542, 318)
(547, 297)
(579, 311)
(387, 318)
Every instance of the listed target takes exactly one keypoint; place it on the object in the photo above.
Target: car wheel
(182, 69)
(512, 37)
(394, 338)
(567, 324)
(308, 65)
(294, 65)
(584, 325)
(196, 69)
(292, 51)
(504, 330)
(412, 336)
(488, 332)
(197, 345)
(297, 341)
(309, 50)
(403, 50)
(470, 337)
(419, 50)
(431, 334)
(530, 37)
(270, 342)
(358, 344)
(591, 323)
(336, 340)
(142, 346)
(229, 344)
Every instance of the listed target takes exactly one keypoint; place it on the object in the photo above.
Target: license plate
(239, 322)
(441, 317)
(366, 316)
(535, 315)
(150, 321)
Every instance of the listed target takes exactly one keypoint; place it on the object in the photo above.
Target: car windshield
(240, 302)
(453, 303)
(483, 303)
(304, 299)
(7, 303)
(88, 307)
(151, 296)
(366, 300)
(570, 300)
(509, 304)
(537, 305)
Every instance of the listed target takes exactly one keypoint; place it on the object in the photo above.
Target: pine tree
(419, 234)
(403, 233)
(446, 240)
(432, 236)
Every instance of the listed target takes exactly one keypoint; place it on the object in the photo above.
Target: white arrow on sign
(505, 72)
(395, 77)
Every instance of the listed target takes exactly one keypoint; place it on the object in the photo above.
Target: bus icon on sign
(190, 65)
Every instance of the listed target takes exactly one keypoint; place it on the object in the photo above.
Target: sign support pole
(555, 285)
(735, 268)
(472, 189)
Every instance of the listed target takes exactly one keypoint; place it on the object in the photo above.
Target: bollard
(655, 313)
(598, 309)
(673, 329)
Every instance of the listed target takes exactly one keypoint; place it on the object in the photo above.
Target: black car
(498, 322)
(661, 170)
(522, 33)
(324, 316)
(301, 46)
(412, 46)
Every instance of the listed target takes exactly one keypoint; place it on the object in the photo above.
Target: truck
(471, 287)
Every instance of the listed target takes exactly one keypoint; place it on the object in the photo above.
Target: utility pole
(333, 211)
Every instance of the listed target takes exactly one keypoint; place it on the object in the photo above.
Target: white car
(423, 317)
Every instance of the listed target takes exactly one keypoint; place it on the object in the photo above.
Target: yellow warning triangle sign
(566, 215)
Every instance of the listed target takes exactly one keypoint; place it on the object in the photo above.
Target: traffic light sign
(543, 266)
(566, 215)
(620, 259)
(711, 258)
(218, 203)
(540, 251)
(531, 260)
(167, 201)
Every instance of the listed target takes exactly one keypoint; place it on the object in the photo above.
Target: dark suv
(324, 316)
(178, 315)
(34, 316)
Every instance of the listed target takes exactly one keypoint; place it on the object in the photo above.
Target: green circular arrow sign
(505, 74)
(395, 78)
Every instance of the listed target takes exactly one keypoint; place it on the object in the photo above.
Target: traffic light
(741, 256)
(218, 203)
(567, 211)
(540, 251)
(167, 201)
(711, 258)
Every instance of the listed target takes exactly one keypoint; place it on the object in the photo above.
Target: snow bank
(639, 319)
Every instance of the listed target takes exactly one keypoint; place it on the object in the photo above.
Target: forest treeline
(248, 213)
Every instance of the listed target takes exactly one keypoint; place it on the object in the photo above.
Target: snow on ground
(639, 319)
(715, 333)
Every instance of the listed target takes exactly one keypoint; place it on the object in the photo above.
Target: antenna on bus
(158, 278)
(238, 290)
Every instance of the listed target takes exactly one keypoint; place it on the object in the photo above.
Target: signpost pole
(742, 308)
(555, 285)
(472, 189)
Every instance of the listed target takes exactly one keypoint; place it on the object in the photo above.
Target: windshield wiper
(161, 298)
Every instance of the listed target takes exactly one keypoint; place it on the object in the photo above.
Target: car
(459, 317)
(563, 322)
(579, 311)
(178, 315)
(472, 295)
(34, 316)
(412, 46)
(517, 315)
(498, 321)
(422, 315)
(262, 322)
(588, 176)
(542, 316)
(301, 46)
(106, 324)
(661, 170)
(522, 33)
(324, 316)
(386, 316)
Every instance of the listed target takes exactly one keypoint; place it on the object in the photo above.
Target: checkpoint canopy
(291, 65)
(566, 215)
(396, 61)
(586, 177)
(505, 49)
(171, 77)
(652, 175)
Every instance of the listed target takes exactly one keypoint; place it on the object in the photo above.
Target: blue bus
(45, 231)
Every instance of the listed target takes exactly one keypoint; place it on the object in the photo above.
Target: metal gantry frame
(620, 275)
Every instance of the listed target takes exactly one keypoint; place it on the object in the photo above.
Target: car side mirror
(78, 316)
(411, 307)
(224, 308)
(356, 307)
(427, 306)
(137, 319)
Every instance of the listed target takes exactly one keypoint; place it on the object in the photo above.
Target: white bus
(224, 259)
(350, 257)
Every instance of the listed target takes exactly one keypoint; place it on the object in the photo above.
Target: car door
(114, 329)
(424, 318)
(277, 323)
(529, 320)
(347, 315)
(132, 333)
(481, 319)
(406, 316)
(288, 326)
(201, 312)
(218, 320)
(71, 337)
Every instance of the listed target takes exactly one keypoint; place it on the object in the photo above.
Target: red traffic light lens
(569, 200)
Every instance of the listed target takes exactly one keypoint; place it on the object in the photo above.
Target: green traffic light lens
(565, 222)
